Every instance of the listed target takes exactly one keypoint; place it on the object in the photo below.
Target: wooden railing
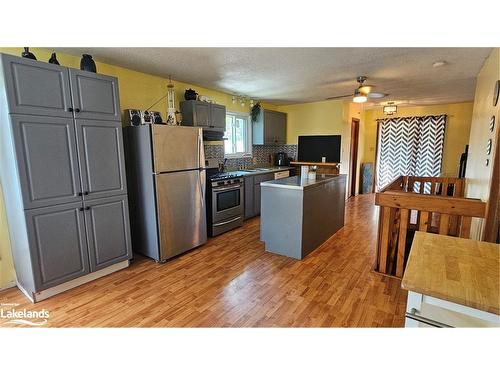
(429, 204)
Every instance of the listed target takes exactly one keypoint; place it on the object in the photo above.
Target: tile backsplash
(260, 155)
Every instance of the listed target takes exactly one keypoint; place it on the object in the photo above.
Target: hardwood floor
(232, 282)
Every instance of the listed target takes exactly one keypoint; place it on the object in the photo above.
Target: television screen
(313, 148)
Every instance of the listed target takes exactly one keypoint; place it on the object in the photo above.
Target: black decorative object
(190, 94)
(496, 92)
(28, 54)
(88, 64)
(53, 59)
(255, 111)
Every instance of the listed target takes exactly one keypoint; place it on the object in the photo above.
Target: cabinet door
(202, 114)
(36, 88)
(108, 231)
(47, 160)
(58, 244)
(256, 194)
(100, 149)
(274, 127)
(249, 185)
(95, 96)
(218, 116)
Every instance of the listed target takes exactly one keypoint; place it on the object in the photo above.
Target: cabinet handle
(77, 110)
(85, 193)
(70, 109)
(413, 315)
(87, 208)
(81, 208)
(80, 194)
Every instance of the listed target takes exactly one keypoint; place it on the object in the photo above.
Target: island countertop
(454, 269)
(298, 183)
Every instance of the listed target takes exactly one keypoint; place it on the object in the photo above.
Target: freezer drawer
(181, 211)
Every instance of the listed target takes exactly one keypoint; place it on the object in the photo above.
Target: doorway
(353, 164)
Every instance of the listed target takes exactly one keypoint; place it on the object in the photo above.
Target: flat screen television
(313, 148)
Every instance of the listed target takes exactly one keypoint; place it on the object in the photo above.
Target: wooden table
(455, 270)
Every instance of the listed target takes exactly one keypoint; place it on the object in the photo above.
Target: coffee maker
(282, 159)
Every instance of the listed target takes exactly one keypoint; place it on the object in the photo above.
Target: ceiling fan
(362, 93)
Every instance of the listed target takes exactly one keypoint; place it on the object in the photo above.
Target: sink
(249, 170)
(264, 169)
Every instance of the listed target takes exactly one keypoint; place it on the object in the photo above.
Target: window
(238, 140)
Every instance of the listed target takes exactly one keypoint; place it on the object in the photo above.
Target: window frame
(248, 143)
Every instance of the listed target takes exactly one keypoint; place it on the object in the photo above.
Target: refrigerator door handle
(201, 154)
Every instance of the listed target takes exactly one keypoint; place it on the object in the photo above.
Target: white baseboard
(44, 294)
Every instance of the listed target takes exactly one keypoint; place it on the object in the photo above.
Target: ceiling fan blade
(339, 97)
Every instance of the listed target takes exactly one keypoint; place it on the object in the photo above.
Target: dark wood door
(353, 164)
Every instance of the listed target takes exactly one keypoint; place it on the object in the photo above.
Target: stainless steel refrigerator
(166, 182)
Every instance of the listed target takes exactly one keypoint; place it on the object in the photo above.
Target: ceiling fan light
(359, 98)
(366, 89)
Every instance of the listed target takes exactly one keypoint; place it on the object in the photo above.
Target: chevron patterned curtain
(411, 146)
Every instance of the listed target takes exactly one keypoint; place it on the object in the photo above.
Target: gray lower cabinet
(100, 146)
(36, 88)
(95, 96)
(108, 232)
(249, 210)
(47, 160)
(269, 128)
(57, 243)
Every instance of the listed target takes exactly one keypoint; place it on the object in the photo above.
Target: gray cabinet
(36, 88)
(62, 174)
(206, 115)
(269, 128)
(218, 117)
(47, 160)
(95, 96)
(57, 244)
(249, 210)
(107, 224)
(252, 193)
(100, 146)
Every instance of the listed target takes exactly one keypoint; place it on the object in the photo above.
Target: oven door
(227, 202)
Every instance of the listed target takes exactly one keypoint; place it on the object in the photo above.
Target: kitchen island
(298, 214)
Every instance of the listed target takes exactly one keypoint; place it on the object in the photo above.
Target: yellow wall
(478, 174)
(137, 90)
(322, 118)
(456, 133)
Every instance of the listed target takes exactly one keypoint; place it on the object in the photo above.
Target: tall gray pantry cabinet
(62, 174)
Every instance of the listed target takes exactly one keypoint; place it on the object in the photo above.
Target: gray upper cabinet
(57, 244)
(47, 160)
(206, 115)
(269, 128)
(100, 148)
(218, 117)
(36, 88)
(108, 231)
(95, 96)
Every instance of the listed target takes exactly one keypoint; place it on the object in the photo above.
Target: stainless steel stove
(225, 201)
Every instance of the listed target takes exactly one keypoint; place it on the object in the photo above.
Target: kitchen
(195, 208)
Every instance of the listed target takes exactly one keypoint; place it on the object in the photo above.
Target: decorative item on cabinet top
(88, 64)
(136, 117)
(190, 94)
(27, 54)
(53, 59)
